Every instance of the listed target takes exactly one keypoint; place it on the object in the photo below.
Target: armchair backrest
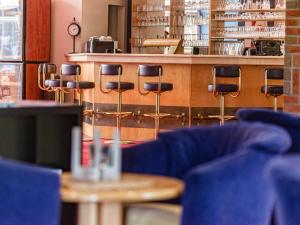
(176, 152)
(28, 194)
(290, 122)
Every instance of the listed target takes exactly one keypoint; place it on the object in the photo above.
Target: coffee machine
(102, 44)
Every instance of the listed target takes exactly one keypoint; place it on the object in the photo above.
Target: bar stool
(221, 89)
(155, 87)
(47, 80)
(273, 90)
(117, 86)
(76, 85)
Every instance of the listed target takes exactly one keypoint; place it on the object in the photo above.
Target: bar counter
(188, 102)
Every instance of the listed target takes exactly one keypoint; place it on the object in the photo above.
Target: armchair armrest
(149, 158)
(230, 190)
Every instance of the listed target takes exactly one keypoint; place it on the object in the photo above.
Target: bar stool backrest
(150, 70)
(47, 68)
(111, 69)
(227, 71)
(70, 70)
(274, 73)
(45, 71)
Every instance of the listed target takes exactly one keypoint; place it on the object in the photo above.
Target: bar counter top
(176, 59)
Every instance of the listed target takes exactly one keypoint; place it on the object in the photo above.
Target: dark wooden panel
(32, 90)
(38, 30)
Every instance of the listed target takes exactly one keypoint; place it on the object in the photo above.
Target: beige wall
(92, 15)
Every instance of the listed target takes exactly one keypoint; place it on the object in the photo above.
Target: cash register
(102, 44)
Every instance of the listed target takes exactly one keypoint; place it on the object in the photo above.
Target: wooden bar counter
(189, 99)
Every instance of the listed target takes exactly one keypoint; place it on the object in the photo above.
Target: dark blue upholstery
(222, 167)
(28, 195)
(288, 121)
(284, 173)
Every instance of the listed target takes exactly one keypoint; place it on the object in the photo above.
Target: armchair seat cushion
(29, 194)
(274, 90)
(80, 85)
(123, 86)
(149, 86)
(223, 88)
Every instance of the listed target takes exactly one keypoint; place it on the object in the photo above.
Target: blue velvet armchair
(288, 121)
(284, 173)
(222, 168)
(28, 195)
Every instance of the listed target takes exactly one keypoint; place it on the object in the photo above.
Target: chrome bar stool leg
(119, 110)
(80, 101)
(62, 97)
(57, 96)
(157, 116)
(275, 104)
(222, 109)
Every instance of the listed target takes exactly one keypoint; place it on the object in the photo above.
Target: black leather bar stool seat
(77, 85)
(223, 88)
(124, 86)
(47, 79)
(116, 71)
(80, 85)
(273, 90)
(157, 88)
(55, 83)
(154, 87)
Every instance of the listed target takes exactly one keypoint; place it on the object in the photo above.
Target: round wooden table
(100, 203)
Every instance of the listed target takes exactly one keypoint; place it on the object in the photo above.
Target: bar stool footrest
(88, 112)
(227, 117)
(120, 114)
(160, 115)
(122, 142)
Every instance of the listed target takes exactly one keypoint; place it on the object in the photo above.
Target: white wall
(62, 13)
(92, 15)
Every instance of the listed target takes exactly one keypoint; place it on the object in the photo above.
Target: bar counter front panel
(189, 100)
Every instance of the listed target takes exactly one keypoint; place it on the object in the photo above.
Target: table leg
(88, 213)
(111, 213)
